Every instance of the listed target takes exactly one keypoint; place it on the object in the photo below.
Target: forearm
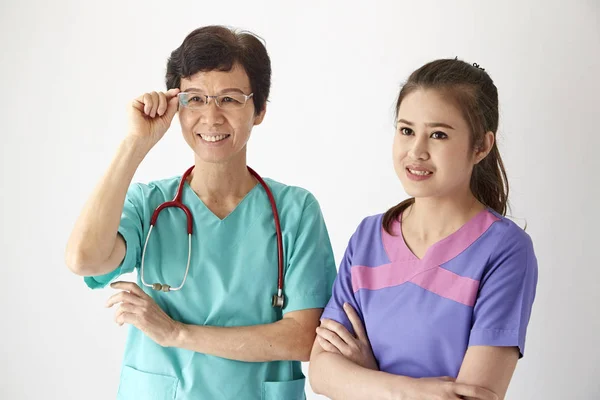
(336, 377)
(282, 340)
(489, 367)
(94, 235)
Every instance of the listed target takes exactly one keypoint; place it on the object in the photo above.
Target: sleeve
(311, 267)
(131, 229)
(342, 291)
(506, 295)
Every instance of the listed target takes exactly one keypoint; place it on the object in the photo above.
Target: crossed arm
(343, 367)
(290, 338)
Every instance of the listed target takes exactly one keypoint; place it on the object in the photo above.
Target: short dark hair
(219, 48)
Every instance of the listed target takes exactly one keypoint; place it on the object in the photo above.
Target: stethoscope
(277, 300)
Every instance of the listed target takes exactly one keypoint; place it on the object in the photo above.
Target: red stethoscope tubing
(176, 202)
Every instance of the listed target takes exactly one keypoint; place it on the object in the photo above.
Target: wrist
(179, 335)
(401, 388)
(138, 146)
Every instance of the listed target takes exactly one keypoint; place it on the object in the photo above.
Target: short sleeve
(311, 266)
(131, 229)
(506, 294)
(342, 291)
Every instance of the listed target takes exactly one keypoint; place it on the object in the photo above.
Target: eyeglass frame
(214, 97)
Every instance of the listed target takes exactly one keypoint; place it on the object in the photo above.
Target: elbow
(314, 377)
(78, 262)
(75, 263)
(314, 381)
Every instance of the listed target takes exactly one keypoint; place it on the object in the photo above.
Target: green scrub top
(231, 280)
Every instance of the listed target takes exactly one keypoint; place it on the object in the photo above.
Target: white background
(69, 69)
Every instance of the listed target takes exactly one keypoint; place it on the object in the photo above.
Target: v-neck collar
(192, 196)
(443, 250)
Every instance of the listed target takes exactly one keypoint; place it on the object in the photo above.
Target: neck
(221, 181)
(430, 218)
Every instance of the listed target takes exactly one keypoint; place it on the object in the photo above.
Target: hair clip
(477, 66)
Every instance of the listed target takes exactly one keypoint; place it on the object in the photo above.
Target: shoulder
(291, 198)
(511, 236)
(369, 226)
(156, 190)
(513, 251)
(367, 238)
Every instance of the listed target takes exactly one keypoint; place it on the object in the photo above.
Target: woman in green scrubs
(216, 333)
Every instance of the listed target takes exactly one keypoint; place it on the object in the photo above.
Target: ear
(486, 146)
(258, 118)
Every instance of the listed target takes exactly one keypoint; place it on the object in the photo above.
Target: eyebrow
(228, 90)
(429, 124)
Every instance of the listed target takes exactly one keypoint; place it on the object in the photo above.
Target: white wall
(69, 68)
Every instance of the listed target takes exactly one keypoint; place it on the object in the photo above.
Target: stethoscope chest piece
(277, 301)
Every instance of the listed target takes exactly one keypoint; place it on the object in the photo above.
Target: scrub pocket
(137, 385)
(288, 390)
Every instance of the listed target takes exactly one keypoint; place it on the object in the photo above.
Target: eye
(406, 131)
(230, 99)
(439, 135)
(196, 99)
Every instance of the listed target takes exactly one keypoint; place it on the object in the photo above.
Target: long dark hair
(474, 93)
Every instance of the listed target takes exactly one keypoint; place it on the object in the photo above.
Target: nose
(419, 149)
(211, 114)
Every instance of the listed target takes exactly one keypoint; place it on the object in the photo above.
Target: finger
(172, 93)
(124, 297)
(356, 322)
(130, 287)
(479, 393)
(172, 106)
(127, 308)
(138, 104)
(147, 100)
(334, 339)
(155, 103)
(126, 318)
(339, 329)
(446, 378)
(325, 345)
(162, 104)
(117, 317)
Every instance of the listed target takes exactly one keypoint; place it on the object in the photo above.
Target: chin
(212, 158)
(418, 192)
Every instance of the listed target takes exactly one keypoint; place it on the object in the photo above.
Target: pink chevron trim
(373, 278)
(449, 285)
(437, 280)
(427, 273)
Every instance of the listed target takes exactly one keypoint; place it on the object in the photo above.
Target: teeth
(217, 138)
(422, 173)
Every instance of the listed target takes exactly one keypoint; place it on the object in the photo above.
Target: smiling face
(433, 150)
(218, 135)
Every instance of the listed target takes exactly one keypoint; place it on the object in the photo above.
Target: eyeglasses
(197, 101)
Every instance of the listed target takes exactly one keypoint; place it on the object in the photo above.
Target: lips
(418, 173)
(213, 138)
(419, 170)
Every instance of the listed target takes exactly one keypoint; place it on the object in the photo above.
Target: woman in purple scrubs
(433, 297)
